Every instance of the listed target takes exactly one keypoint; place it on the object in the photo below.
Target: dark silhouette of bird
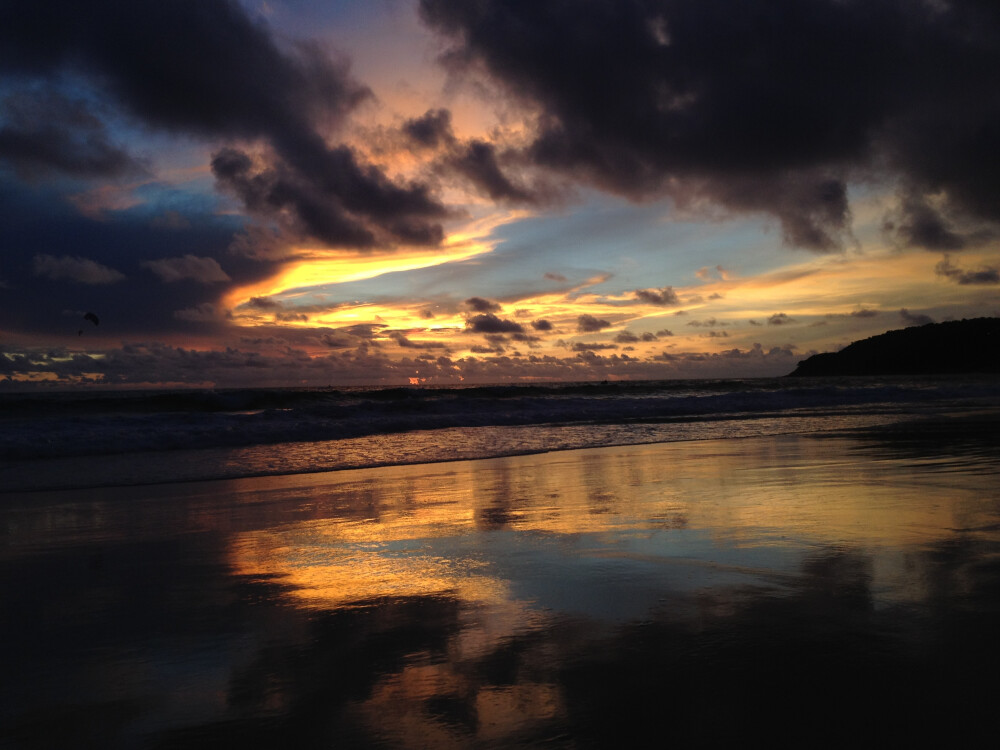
(92, 318)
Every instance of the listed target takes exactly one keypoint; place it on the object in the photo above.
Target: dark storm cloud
(525, 338)
(590, 324)
(915, 319)
(56, 259)
(291, 317)
(264, 303)
(765, 105)
(480, 305)
(203, 67)
(334, 200)
(985, 275)
(477, 162)
(490, 323)
(401, 339)
(779, 319)
(627, 337)
(663, 297)
(202, 270)
(75, 269)
(918, 224)
(44, 133)
(431, 130)
(600, 346)
(474, 161)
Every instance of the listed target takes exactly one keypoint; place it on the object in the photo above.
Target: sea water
(779, 563)
(103, 438)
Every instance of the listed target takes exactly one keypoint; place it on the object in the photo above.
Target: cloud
(541, 325)
(915, 319)
(263, 303)
(760, 109)
(203, 270)
(46, 132)
(490, 323)
(627, 337)
(985, 275)
(555, 276)
(156, 363)
(779, 319)
(916, 223)
(231, 81)
(863, 313)
(351, 336)
(331, 198)
(478, 349)
(258, 243)
(206, 312)
(600, 346)
(662, 297)
(525, 338)
(430, 130)
(79, 270)
(400, 338)
(477, 162)
(590, 324)
(480, 305)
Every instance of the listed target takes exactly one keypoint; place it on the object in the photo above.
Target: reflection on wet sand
(698, 592)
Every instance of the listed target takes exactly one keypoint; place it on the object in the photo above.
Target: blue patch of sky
(637, 245)
(158, 198)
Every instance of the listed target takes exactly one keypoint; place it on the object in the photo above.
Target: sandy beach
(699, 592)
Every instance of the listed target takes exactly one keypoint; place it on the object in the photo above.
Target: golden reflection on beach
(584, 597)
(505, 540)
(371, 539)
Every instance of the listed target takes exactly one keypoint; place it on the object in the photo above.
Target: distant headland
(960, 346)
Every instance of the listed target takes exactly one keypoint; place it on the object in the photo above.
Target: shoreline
(928, 434)
(18, 474)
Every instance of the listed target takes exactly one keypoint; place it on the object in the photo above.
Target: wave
(87, 424)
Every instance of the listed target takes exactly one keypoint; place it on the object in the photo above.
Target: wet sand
(797, 590)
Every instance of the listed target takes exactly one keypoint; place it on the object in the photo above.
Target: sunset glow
(404, 182)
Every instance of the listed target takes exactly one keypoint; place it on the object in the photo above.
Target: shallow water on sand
(793, 589)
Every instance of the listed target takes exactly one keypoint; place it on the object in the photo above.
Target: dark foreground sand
(798, 590)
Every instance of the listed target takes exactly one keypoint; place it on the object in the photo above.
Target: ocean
(106, 438)
(786, 563)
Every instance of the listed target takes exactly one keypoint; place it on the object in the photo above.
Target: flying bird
(92, 318)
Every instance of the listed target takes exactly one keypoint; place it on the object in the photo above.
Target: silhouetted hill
(953, 347)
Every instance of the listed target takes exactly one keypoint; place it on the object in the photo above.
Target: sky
(223, 193)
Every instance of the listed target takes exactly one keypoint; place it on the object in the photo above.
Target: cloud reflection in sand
(712, 590)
